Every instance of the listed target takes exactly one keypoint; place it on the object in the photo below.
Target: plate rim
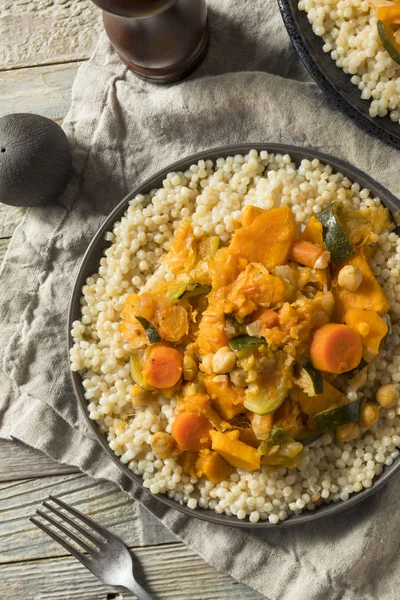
(370, 125)
(98, 244)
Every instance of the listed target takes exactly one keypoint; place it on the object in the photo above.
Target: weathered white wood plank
(47, 31)
(20, 540)
(18, 461)
(170, 572)
(42, 90)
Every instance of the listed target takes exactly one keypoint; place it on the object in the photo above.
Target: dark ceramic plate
(90, 265)
(333, 81)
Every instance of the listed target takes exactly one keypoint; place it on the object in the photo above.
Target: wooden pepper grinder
(159, 40)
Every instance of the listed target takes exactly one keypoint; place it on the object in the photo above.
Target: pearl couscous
(213, 197)
(350, 32)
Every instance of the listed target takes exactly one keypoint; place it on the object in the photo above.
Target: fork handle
(137, 589)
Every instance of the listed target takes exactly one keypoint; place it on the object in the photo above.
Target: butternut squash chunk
(211, 333)
(369, 296)
(256, 287)
(370, 326)
(225, 267)
(227, 401)
(134, 334)
(183, 253)
(170, 319)
(250, 213)
(313, 232)
(311, 405)
(268, 239)
(212, 466)
(235, 452)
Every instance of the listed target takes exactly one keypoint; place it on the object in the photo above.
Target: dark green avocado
(35, 160)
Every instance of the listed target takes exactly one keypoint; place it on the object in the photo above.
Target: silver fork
(106, 557)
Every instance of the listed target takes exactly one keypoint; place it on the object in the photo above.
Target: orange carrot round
(163, 367)
(266, 317)
(191, 431)
(305, 253)
(335, 348)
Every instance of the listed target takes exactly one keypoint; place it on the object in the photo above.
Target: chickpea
(323, 261)
(347, 432)
(163, 444)
(224, 360)
(327, 302)
(350, 278)
(388, 395)
(238, 378)
(369, 414)
(206, 363)
(189, 368)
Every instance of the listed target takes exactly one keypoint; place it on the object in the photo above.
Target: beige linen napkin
(251, 88)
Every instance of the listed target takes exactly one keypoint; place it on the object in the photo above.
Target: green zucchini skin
(177, 291)
(263, 402)
(385, 33)
(307, 437)
(335, 239)
(362, 364)
(244, 341)
(152, 333)
(333, 418)
(136, 372)
(310, 380)
(198, 290)
(278, 437)
(233, 328)
(185, 290)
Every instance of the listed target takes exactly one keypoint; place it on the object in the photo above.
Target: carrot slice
(335, 348)
(267, 317)
(163, 367)
(191, 431)
(305, 253)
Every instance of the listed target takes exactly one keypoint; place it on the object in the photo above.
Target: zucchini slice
(197, 290)
(177, 291)
(331, 419)
(264, 401)
(280, 449)
(335, 239)
(152, 333)
(310, 380)
(362, 364)
(385, 32)
(136, 372)
(233, 328)
(244, 341)
(208, 247)
(307, 437)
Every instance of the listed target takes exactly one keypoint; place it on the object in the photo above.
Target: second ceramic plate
(332, 80)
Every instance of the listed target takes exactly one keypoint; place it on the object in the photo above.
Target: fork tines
(96, 540)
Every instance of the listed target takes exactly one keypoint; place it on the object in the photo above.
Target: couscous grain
(215, 196)
(350, 34)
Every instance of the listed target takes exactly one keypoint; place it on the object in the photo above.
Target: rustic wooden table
(43, 42)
